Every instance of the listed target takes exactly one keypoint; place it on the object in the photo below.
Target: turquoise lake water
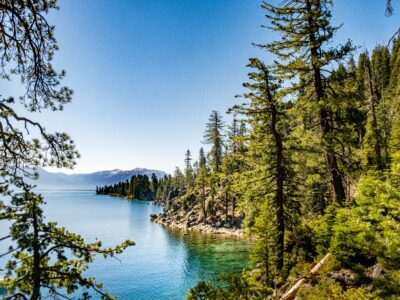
(163, 264)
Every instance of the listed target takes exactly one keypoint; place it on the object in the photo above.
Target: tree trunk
(280, 173)
(36, 276)
(233, 210)
(291, 293)
(375, 129)
(279, 198)
(226, 206)
(266, 264)
(326, 128)
(204, 203)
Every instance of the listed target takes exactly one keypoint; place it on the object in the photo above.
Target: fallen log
(291, 293)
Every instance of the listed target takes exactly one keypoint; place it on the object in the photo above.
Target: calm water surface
(163, 264)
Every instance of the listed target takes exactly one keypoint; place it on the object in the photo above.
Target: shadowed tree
(27, 47)
(32, 271)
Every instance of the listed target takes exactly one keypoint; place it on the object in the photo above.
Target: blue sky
(147, 73)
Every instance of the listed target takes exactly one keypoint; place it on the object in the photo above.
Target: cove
(163, 264)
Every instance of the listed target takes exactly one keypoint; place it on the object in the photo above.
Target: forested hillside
(310, 165)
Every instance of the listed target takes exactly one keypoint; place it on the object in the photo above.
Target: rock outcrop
(184, 210)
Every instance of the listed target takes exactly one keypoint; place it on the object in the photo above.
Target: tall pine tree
(304, 53)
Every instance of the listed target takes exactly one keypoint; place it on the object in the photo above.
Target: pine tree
(232, 165)
(374, 75)
(201, 181)
(303, 52)
(154, 183)
(188, 170)
(233, 133)
(266, 112)
(179, 178)
(32, 270)
(38, 265)
(214, 136)
(202, 157)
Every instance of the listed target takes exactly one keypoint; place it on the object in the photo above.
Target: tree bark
(375, 129)
(36, 272)
(324, 113)
(291, 293)
(233, 210)
(280, 172)
(280, 225)
(204, 203)
(226, 206)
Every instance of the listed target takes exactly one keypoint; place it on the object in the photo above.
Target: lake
(163, 264)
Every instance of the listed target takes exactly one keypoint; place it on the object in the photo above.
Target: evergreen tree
(374, 79)
(188, 169)
(154, 183)
(32, 270)
(303, 52)
(138, 187)
(232, 166)
(214, 136)
(201, 181)
(266, 112)
(179, 178)
(233, 133)
(38, 265)
(308, 143)
(202, 157)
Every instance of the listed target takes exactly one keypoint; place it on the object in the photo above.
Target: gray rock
(343, 276)
(375, 271)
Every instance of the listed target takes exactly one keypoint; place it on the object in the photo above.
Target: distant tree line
(139, 187)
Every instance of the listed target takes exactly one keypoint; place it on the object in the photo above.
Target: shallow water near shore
(163, 264)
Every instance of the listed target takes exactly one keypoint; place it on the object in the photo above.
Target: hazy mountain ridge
(89, 181)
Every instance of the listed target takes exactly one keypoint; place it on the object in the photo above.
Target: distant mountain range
(61, 181)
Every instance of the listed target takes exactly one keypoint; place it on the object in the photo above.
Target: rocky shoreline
(164, 220)
(194, 211)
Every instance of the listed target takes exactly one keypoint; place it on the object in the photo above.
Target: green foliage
(339, 129)
(214, 136)
(324, 230)
(189, 173)
(202, 291)
(231, 287)
(263, 254)
(326, 129)
(367, 232)
(138, 188)
(32, 270)
(329, 289)
(43, 259)
(201, 182)
(363, 236)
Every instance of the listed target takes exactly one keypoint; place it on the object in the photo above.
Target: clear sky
(147, 73)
